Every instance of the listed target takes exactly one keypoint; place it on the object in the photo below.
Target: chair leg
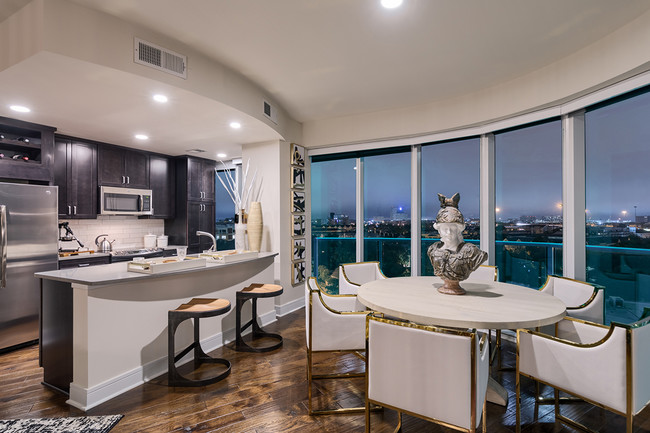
(518, 400)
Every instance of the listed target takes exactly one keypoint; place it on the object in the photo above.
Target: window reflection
(618, 207)
(528, 190)
(333, 214)
(447, 168)
(387, 212)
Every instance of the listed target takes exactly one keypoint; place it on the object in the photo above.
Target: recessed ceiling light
(235, 125)
(391, 4)
(221, 155)
(141, 137)
(20, 108)
(160, 98)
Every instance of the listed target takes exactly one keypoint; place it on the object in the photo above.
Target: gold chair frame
(347, 279)
(628, 414)
(310, 376)
(472, 334)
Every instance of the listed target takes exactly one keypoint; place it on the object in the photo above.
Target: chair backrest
(353, 275)
(485, 273)
(584, 300)
(331, 322)
(436, 373)
(640, 355)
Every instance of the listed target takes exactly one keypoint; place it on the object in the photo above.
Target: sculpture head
(450, 222)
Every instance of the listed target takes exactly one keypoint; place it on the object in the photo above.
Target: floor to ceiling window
(528, 191)
(447, 168)
(333, 218)
(387, 211)
(617, 154)
(224, 212)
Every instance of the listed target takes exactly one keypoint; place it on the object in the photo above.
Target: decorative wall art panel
(297, 178)
(299, 269)
(297, 155)
(299, 246)
(298, 205)
(298, 225)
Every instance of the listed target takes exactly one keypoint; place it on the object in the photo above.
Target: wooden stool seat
(253, 293)
(196, 309)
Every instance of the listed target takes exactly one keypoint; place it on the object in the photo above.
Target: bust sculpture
(453, 259)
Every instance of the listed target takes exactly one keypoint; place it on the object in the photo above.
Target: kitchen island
(104, 329)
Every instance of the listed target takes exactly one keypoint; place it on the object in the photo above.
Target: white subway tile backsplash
(128, 232)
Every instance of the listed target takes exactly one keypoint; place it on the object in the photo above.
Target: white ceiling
(318, 58)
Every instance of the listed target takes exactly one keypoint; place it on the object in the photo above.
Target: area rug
(80, 424)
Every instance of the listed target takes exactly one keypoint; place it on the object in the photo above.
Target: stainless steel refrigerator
(28, 244)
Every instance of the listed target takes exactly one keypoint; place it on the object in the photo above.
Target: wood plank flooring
(267, 392)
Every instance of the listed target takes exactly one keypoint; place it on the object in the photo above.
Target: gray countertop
(117, 272)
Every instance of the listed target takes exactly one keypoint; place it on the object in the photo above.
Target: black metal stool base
(257, 331)
(176, 317)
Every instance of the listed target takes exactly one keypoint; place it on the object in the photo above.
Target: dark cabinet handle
(69, 210)
(74, 210)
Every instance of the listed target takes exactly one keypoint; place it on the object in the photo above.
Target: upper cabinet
(121, 166)
(26, 151)
(200, 177)
(161, 181)
(75, 173)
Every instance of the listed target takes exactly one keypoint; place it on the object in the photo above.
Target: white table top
(486, 305)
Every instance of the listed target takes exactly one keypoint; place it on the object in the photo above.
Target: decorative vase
(255, 226)
(240, 237)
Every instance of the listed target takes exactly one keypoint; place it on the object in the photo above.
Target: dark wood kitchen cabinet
(200, 178)
(162, 181)
(121, 166)
(75, 173)
(195, 205)
(26, 151)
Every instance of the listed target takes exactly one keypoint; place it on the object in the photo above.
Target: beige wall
(620, 55)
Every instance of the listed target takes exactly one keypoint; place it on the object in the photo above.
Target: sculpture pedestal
(451, 287)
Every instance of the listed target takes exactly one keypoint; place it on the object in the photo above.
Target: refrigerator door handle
(3, 246)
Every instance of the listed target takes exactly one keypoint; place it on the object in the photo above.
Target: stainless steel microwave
(124, 201)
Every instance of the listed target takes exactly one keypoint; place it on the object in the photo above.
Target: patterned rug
(81, 424)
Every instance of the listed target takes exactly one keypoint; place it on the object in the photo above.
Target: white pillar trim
(359, 212)
(416, 210)
(487, 194)
(574, 260)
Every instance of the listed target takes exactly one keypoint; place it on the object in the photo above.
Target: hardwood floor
(267, 392)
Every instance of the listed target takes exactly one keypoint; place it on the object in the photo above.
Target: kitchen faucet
(213, 248)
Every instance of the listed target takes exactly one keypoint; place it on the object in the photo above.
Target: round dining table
(485, 305)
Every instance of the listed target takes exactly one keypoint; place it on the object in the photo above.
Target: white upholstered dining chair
(438, 374)
(603, 365)
(353, 275)
(333, 323)
(584, 301)
(485, 273)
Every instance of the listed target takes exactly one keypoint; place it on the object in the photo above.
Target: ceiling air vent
(195, 151)
(270, 112)
(148, 54)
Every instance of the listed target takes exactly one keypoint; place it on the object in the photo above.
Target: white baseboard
(290, 307)
(87, 398)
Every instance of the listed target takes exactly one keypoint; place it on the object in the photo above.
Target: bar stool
(254, 292)
(196, 309)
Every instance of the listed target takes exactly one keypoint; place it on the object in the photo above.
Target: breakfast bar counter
(104, 329)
